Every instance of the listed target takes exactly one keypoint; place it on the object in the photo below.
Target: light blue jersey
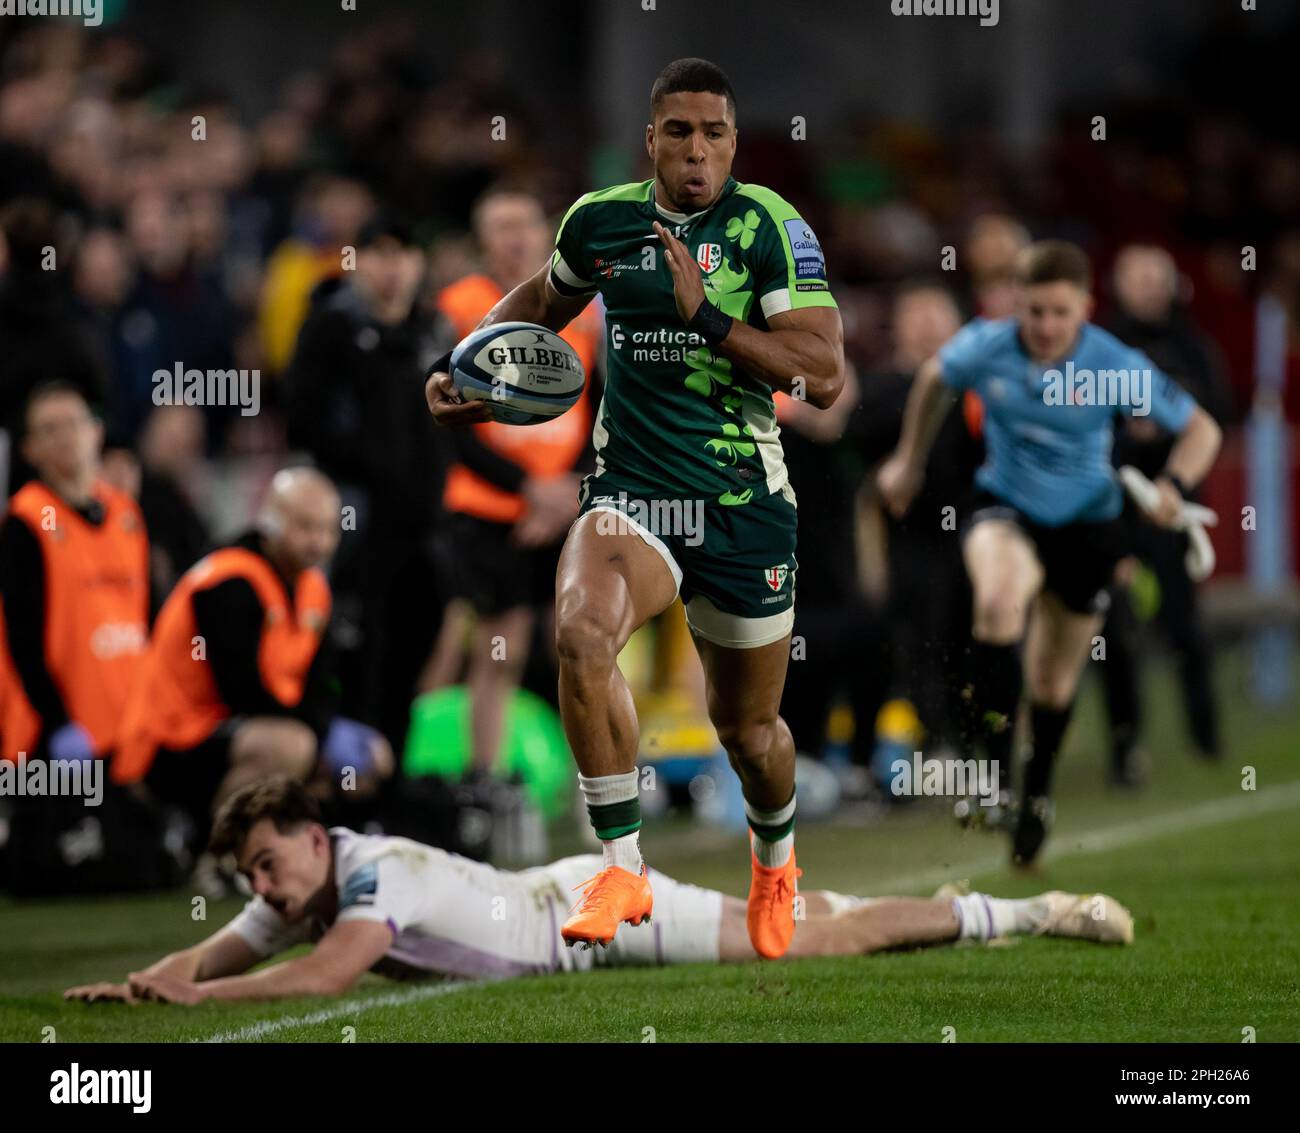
(1048, 430)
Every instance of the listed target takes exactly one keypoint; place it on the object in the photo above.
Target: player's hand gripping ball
(524, 373)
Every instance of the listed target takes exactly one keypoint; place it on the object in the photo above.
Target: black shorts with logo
(1078, 558)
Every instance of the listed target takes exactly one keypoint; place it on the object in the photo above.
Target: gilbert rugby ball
(526, 373)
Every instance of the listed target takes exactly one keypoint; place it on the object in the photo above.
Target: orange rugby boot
(613, 896)
(770, 915)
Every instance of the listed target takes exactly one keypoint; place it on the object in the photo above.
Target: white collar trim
(676, 217)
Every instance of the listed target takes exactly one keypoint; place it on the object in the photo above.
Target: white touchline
(256, 1031)
(1066, 844)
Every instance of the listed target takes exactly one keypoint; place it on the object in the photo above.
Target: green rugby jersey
(678, 419)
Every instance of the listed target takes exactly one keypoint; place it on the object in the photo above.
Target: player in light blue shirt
(1052, 465)
(1044, 532)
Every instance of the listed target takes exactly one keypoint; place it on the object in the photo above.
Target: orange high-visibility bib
(176, 703)
(96, 614)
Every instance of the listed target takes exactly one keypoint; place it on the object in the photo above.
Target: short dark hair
(1052, 261)
(387, 225)
(691, 75)
(52, 387)
(283, 800)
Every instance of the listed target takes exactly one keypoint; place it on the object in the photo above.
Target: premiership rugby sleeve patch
(809, 263)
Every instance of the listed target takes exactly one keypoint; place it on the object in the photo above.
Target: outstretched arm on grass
(214, 969)
(224, 953)
(341, 957)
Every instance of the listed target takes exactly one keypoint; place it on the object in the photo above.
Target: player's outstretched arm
(224, 953)
(340, 958)
(928, 403)
(533, 301)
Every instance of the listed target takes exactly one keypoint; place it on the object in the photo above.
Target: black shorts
(1078, 558)
(493, 574)
(189, 779)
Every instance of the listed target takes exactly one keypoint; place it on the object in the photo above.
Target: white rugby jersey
(448, 914)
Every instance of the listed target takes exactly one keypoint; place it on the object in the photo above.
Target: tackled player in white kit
(390, 905)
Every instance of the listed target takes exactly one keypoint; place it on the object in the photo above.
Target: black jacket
(354, 398)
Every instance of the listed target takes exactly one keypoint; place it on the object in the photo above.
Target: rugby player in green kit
(716, 295)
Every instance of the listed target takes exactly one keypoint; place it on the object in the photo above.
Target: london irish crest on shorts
(776, 576)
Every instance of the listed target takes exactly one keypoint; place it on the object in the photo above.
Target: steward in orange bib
(74, 583)
(513, 492)
(236, 683)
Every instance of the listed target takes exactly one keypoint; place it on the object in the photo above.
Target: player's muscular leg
(1056, 650)
(1005, 575)
(744, 693)
(609, 582)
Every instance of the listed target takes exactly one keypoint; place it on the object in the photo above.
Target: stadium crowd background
(208, 253)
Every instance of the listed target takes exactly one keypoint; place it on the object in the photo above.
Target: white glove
(1194, 519)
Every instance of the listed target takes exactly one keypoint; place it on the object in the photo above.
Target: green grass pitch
(1209, 870)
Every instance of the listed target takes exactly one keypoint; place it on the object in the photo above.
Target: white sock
(603, 790)
(982, 917)
(776, 853)
(624, 852)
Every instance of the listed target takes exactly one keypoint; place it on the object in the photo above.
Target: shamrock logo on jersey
(724, 290)
(734, 499)
(744, 229)
(711, 375)
(728, 448)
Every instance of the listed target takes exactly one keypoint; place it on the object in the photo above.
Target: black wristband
(1183, 489)
(710, 323)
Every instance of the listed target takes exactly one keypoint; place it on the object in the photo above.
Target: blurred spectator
(41, 334)
(74, 583)
(163, 478)
(281, 145)
(929, 597)
(331, 213)
(841, 648)
(172, 465)
(992, 245)
(101, 281)
(237, 681)
(177, 313)
(353, 395)
(1149, 318)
